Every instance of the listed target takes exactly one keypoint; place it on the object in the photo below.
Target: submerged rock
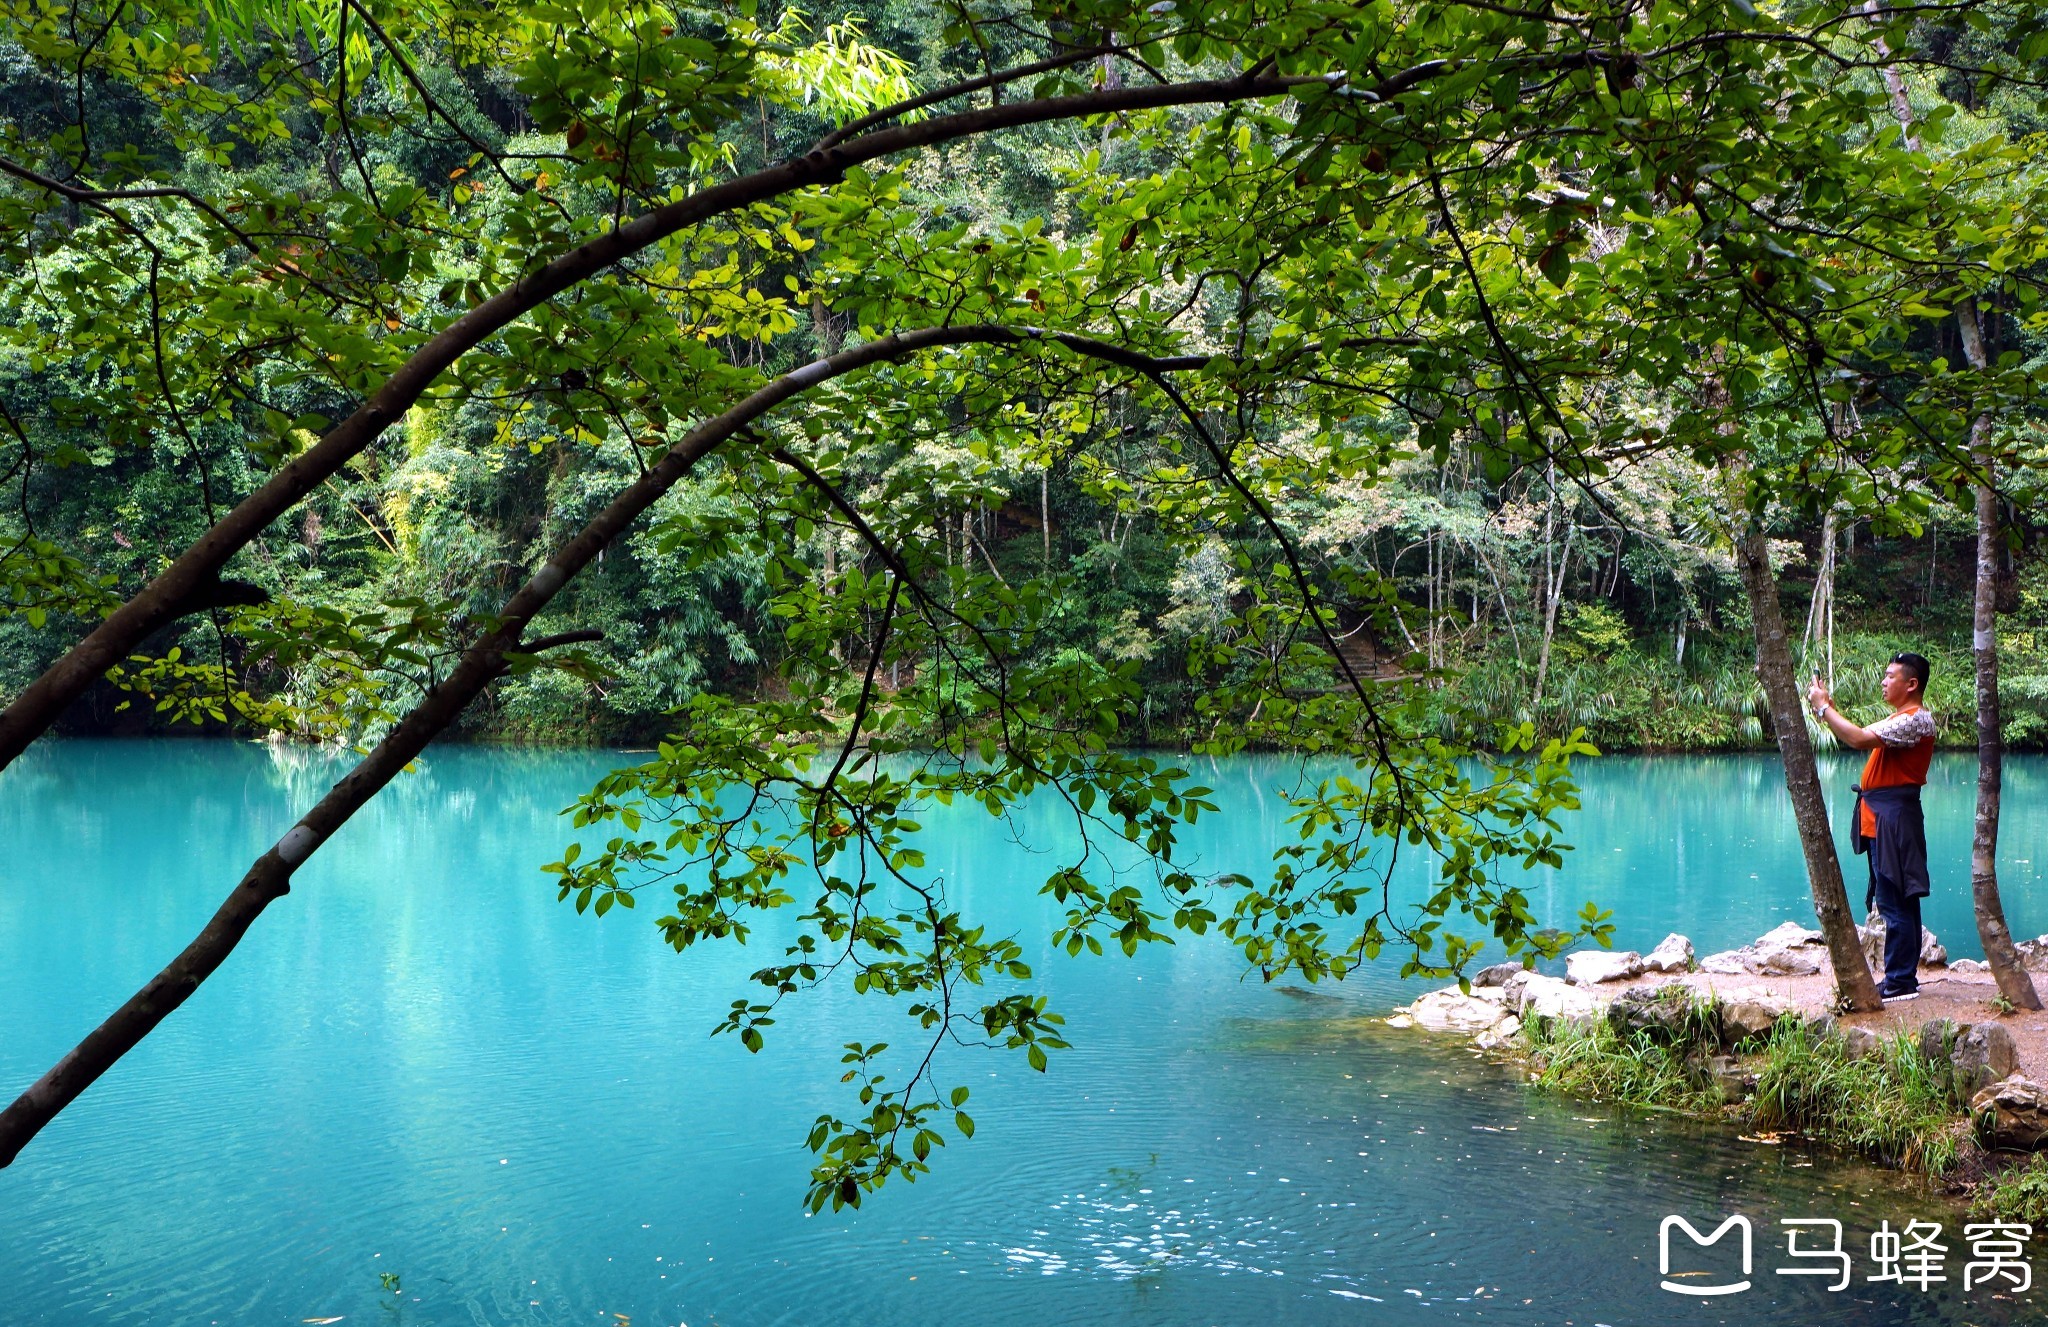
(1599, 965)
(2012, 1113)
(1672, 954)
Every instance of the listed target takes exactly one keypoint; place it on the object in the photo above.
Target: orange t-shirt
(1891, 766)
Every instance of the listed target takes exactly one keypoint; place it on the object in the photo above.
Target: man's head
(1905, 679)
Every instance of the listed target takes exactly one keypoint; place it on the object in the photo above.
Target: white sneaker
(1906, 995)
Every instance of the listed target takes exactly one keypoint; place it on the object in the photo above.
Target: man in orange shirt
(1888, 824)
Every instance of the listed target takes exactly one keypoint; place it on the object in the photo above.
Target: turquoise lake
(421, 1066)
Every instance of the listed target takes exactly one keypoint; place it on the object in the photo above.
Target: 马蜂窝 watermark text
(1915, 1257)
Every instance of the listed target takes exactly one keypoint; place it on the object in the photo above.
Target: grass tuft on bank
(1893, 1106)
(1597, 1062)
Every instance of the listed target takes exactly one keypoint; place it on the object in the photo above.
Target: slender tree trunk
(1802, 773)
(1507, 613)
(1434, 606)
(830, 336)
(1820, 613)
(2000, 955)
(1045, 511)
(1553, 593)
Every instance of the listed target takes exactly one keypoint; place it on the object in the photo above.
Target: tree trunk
(1553, 594)
(1853, 981)
(1045, 511)
(1999, 954)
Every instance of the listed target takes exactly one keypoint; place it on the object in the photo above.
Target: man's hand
(1848, 734)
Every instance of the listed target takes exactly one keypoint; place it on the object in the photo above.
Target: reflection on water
(420, 1064)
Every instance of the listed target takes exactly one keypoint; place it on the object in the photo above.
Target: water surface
(421, 1065)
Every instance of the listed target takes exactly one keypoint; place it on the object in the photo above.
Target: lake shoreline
(1949, 1085)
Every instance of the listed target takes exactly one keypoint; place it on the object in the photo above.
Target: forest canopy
(903, 404)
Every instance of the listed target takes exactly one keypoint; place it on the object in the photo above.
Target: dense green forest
(1605, 600)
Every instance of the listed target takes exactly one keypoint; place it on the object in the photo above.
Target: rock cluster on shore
(1675, 999)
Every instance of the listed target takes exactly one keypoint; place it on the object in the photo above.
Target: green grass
(1894, 1106)
(1599, 1063)
(2017, 1194)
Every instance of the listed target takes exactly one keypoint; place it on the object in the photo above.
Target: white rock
(1600, 965)
(1399, 1020)
(1799, 962)
(1500, 1034)
(1511, 989)
(1451, 1010)
(1551, 997)
(1672, 954)
(1962, 965)
(1787, 935)
(1786, 950)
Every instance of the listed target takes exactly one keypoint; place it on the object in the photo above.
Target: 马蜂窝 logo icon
(1664, 1255)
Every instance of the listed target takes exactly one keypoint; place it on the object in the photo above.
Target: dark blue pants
(1901, 934)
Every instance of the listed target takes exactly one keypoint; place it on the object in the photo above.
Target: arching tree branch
(269, 877)
(38, 706)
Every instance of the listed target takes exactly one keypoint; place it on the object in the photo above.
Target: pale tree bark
(2000, 954)
(1854, 984)
(1820, 614)
(1553, 583)
(1045, 513)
